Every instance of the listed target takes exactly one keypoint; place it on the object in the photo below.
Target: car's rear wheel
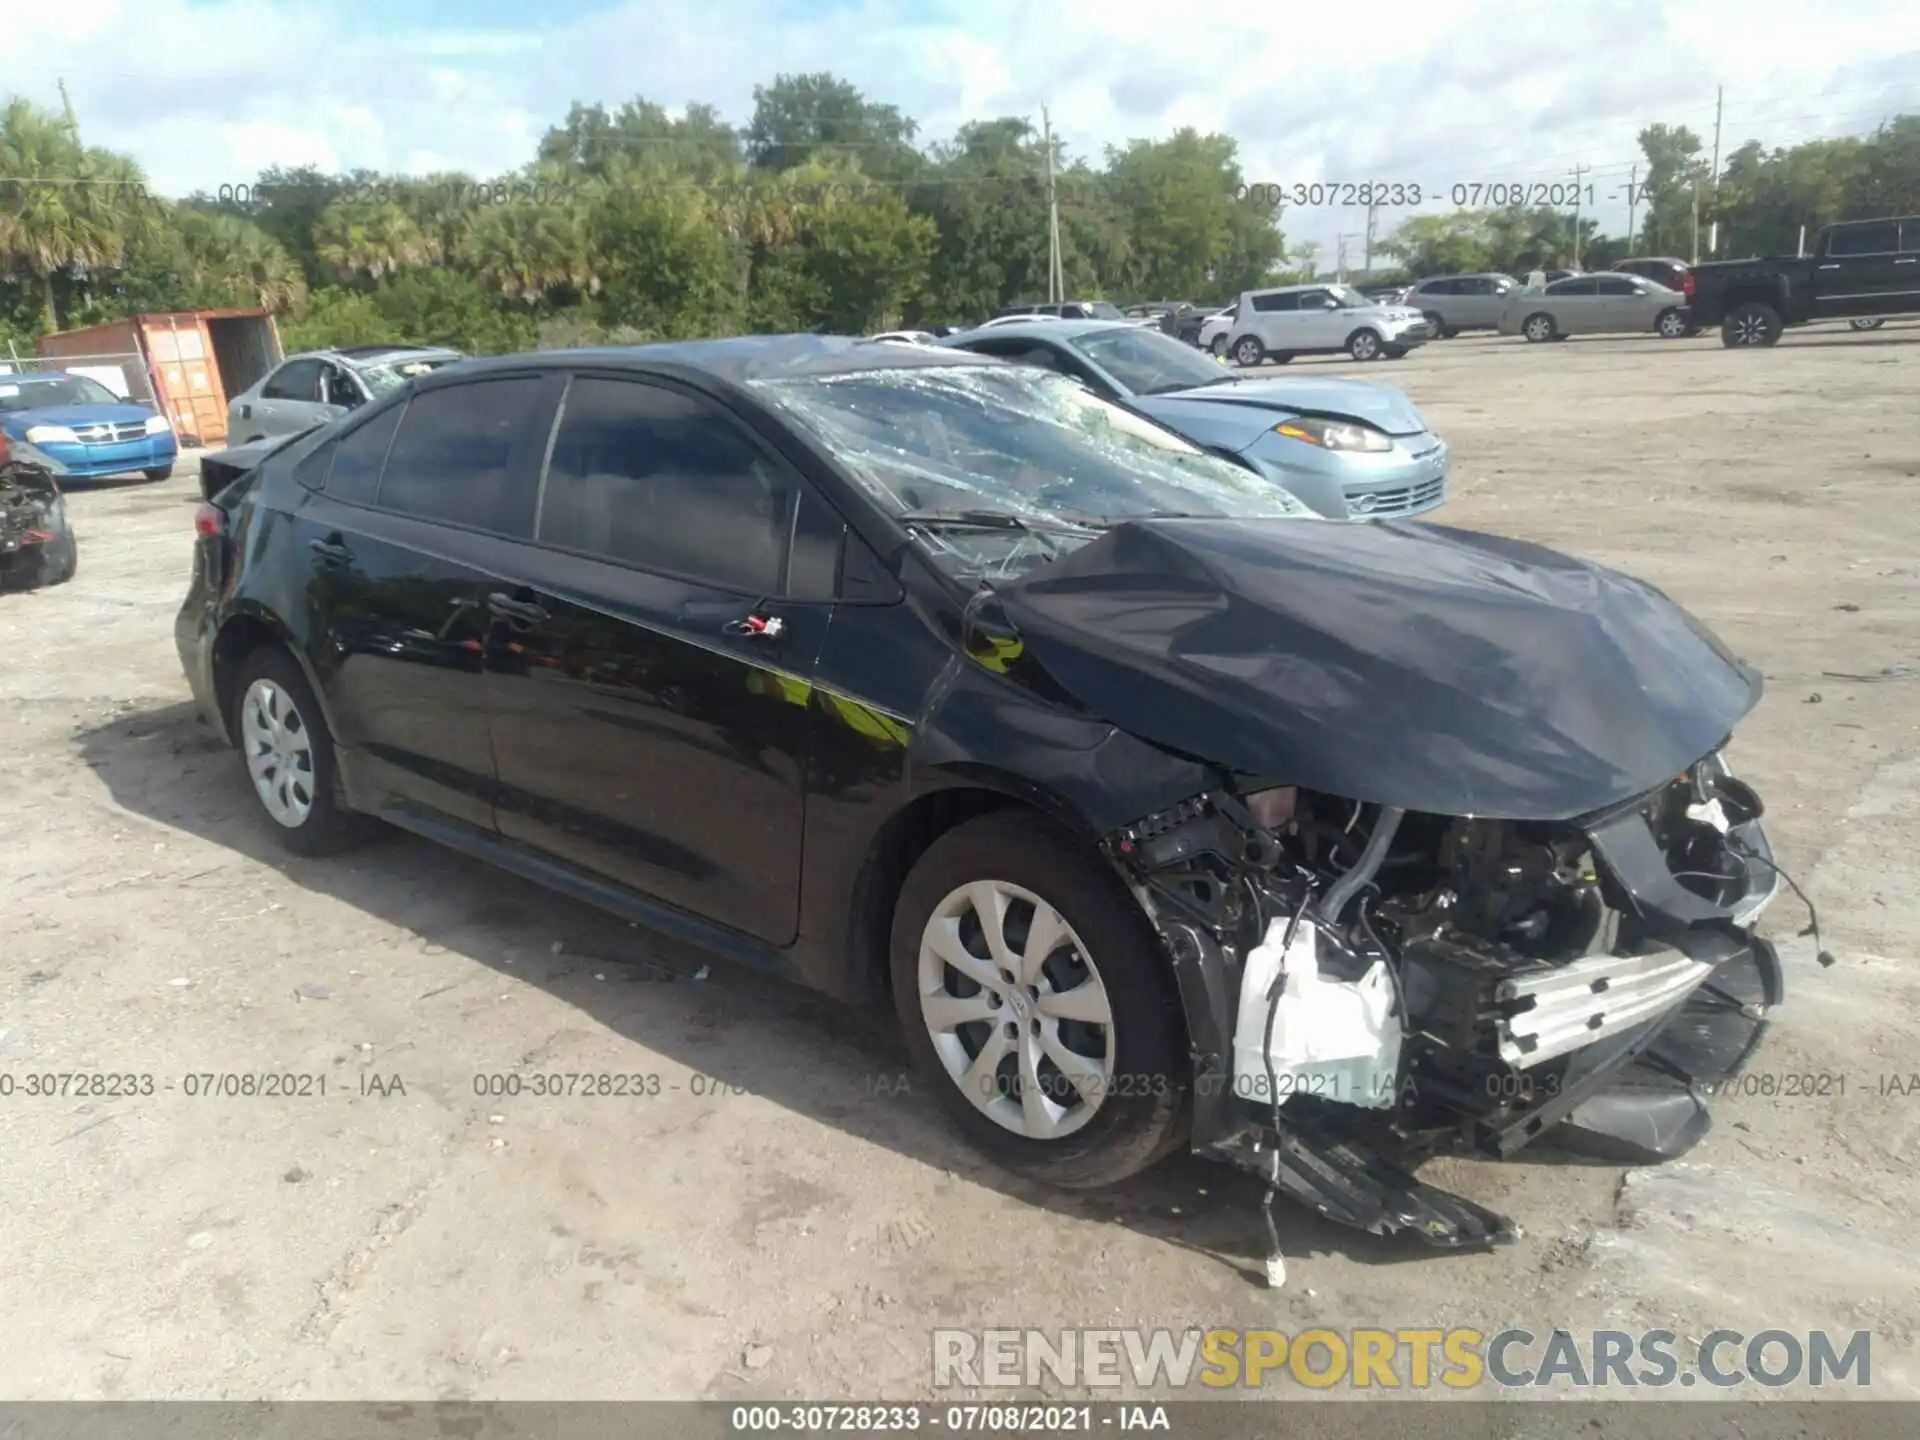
(163, 472)
(1750, 325)
(1218, 345)
(1440, 331)
(289, 756)
(1671, 325)
(1539, 328)
(1364, 344)
(1867, 322)
(1249, 351)
(1037, 1000)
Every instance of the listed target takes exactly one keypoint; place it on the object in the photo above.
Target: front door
(647, 675)
(1861, 273)
(1319, 323)
(399, 541)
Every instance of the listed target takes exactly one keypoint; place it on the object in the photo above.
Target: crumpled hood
(1265, 401)
(1402, 664)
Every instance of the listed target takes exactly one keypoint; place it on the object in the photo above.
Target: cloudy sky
(1435, 93)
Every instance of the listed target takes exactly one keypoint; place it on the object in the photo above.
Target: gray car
(316, 386)
(1453, 303)
(1350, 449)
(1602, 304)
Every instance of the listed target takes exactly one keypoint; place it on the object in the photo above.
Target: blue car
(1348, 449)
(81, 430)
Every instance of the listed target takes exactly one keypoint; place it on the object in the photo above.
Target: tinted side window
(1881, 239)
(451, 459)
(1440, 287)
(666, 481)
(357, 458)
(295, 380)
(1909, 237)
(1580, 286)
(312, 470)
(1274, 304)
(1478, 285)
(1615, 285)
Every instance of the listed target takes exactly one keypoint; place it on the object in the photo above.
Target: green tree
(1189, 229)
(1674, 171)
(63, 208)
(797, 117)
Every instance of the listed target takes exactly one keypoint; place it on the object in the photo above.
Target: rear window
(451, 460)
(357, 458)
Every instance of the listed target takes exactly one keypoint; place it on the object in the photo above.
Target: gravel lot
(785, 1218)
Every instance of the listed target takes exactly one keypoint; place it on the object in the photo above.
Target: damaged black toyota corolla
(1166, 814)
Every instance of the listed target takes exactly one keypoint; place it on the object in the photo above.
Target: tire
(321, 824)
(1248, 351)
(1364, 344)
(165, 472)
(1670, 325)
(1218, 346)
(1867, 322)
(1747, 326)
(1397, 352)
(1539, 328)
(1440, 331)
(1132, 1110)
(60, 558)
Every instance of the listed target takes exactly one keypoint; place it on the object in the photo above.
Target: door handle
(331, 549)
(522, 612)
(757, 627)
(1908, 260)
(1826, 267)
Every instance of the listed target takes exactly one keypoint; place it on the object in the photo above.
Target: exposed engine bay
(36, 544)
(1382, 986)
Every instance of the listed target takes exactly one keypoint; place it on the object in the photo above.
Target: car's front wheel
(1038, 1002)
(289, 756)
(161, 472)
(1364, 344)
(1869, 322)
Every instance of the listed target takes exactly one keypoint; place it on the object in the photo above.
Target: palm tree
(526, 250)
(371, 238)
(238, 256)
(66, 208)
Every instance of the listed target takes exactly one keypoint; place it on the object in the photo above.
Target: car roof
(738, 359)
(1065, 329)
(40, 377)
(1292, 289)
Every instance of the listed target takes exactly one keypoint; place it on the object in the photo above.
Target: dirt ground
(786, 1218)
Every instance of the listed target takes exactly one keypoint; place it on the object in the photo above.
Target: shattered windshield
(999, 466)
(383, 379)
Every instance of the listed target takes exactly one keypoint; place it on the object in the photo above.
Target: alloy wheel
(279, 753)
(1016, 1010)
(1672, 325)
(1366, 346)
(1539, 328)
(1750, 330)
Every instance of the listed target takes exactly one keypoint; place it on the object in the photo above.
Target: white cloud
(1434, 93)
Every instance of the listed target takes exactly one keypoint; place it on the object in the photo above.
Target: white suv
(1292, 320)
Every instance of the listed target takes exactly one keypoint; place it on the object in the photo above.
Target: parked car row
(972, 690)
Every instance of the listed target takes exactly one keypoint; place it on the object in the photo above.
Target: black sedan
(1162, 814)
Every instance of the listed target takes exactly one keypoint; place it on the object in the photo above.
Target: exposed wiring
(1820, 953)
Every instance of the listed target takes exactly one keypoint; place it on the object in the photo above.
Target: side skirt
(582, 885)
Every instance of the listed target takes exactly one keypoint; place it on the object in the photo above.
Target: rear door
(1622, 304)
(1474, 305)
(399, 541)
(1574, 304)
(289, 400)
(1276, 320)
(648, 669)
(1861, 273)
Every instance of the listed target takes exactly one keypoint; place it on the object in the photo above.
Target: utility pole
(1579, 179)
(1056, 279)
(1719, 95)
(66, 105)
(1633, 201)
(1373, 209)
(1696, 215)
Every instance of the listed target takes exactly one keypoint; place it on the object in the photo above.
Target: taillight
(1686, 284)
(209, 520)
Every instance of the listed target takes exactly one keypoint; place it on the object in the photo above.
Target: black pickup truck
(1860, 269)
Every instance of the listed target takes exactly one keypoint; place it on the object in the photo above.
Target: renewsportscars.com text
(1457, 1359)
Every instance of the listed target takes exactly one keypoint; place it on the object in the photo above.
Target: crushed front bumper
(1612, 1057)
